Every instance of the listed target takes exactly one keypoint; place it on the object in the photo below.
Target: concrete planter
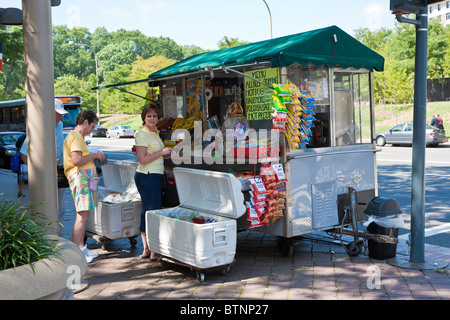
(49, 280)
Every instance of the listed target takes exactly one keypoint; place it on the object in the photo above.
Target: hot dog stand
(301, 112)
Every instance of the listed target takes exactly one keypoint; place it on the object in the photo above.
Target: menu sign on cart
(169, 97)
(258, 97)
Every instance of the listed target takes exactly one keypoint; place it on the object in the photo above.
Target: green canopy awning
(329, 46)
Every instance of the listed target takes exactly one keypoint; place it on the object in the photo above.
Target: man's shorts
(85, 199)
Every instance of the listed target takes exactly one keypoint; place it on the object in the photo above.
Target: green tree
(226, 42)
(114, 55)
(72, 59)
(72, 85)
(189, 51)
(165, 47)
(438, 46)
(12, 78)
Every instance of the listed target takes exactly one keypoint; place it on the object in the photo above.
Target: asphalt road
(394, 181)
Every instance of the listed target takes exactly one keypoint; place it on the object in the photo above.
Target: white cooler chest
(212, 195)
(112, 221)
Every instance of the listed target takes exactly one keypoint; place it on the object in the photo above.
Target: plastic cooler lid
(118, 176)
(211, 192)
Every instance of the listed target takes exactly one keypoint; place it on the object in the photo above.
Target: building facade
(441, 11)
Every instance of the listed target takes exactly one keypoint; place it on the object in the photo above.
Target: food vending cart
(292, 118)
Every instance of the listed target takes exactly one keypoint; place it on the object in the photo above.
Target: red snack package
(268, 174)
(258, 198)
(279, 172)
(258, 205)
(258, 186)
(251, 213)
(255, 224)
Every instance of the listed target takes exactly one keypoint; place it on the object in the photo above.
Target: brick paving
(315, 271)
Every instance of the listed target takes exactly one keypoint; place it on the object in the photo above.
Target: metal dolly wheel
(104, 240)
(165, 262)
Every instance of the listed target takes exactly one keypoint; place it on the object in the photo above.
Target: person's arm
(144, 158)
(24, 158)
(79, 160)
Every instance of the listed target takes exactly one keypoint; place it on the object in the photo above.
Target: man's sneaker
(90, 255)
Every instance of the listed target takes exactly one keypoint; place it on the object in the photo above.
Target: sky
(204, 23)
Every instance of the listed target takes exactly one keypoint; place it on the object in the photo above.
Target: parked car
(99, 131)
(120, 132)
(8, 147)
(403, 134)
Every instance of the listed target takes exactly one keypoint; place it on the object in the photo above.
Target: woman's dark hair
(88, 115)
(149, 107)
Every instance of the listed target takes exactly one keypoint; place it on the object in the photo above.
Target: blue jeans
(149, 187)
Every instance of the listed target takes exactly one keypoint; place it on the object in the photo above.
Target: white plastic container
(119, 220)
(213, 195)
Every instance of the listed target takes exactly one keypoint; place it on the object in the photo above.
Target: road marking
(409, 174)
(410, 161)
(429, 232)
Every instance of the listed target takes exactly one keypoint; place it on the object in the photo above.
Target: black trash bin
(382, 207)
(379, 250)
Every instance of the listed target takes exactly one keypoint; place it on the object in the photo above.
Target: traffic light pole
(417, 253)
(419, 145)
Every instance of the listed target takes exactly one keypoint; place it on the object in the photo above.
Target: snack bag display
(300, 118)
(269, 206)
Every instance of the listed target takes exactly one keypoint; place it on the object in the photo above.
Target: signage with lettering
(258, 97)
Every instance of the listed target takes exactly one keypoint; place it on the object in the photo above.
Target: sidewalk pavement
(317, 270)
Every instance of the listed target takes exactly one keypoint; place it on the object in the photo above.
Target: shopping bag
(15, 163)
(93, 183)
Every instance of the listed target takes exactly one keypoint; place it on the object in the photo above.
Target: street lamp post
(72, 43)
(270, 15)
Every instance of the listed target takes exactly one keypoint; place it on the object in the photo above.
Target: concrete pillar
(39, 95)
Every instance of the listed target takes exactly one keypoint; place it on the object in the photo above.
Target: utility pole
(270, 16)
(417, 255)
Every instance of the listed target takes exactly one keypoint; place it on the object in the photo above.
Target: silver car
(120, 132)
(403, 134)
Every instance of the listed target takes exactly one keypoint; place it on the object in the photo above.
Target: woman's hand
(144, 158)
(166, 152)
(100, 156)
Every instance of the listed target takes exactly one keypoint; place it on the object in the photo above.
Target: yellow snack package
(280, 90)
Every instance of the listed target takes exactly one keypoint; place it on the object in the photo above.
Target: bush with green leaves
(22, 238)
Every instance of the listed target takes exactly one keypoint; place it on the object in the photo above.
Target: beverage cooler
(201, 232)
(118, 212)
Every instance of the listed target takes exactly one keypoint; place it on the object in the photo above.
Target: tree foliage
(130, 55)
(396, 84)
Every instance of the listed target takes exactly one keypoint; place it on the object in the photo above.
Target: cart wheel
(103, 241)
(225, 269)
(133, 242)
(163, 264)
(286, 247)
(354, 248)
(200, 276)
